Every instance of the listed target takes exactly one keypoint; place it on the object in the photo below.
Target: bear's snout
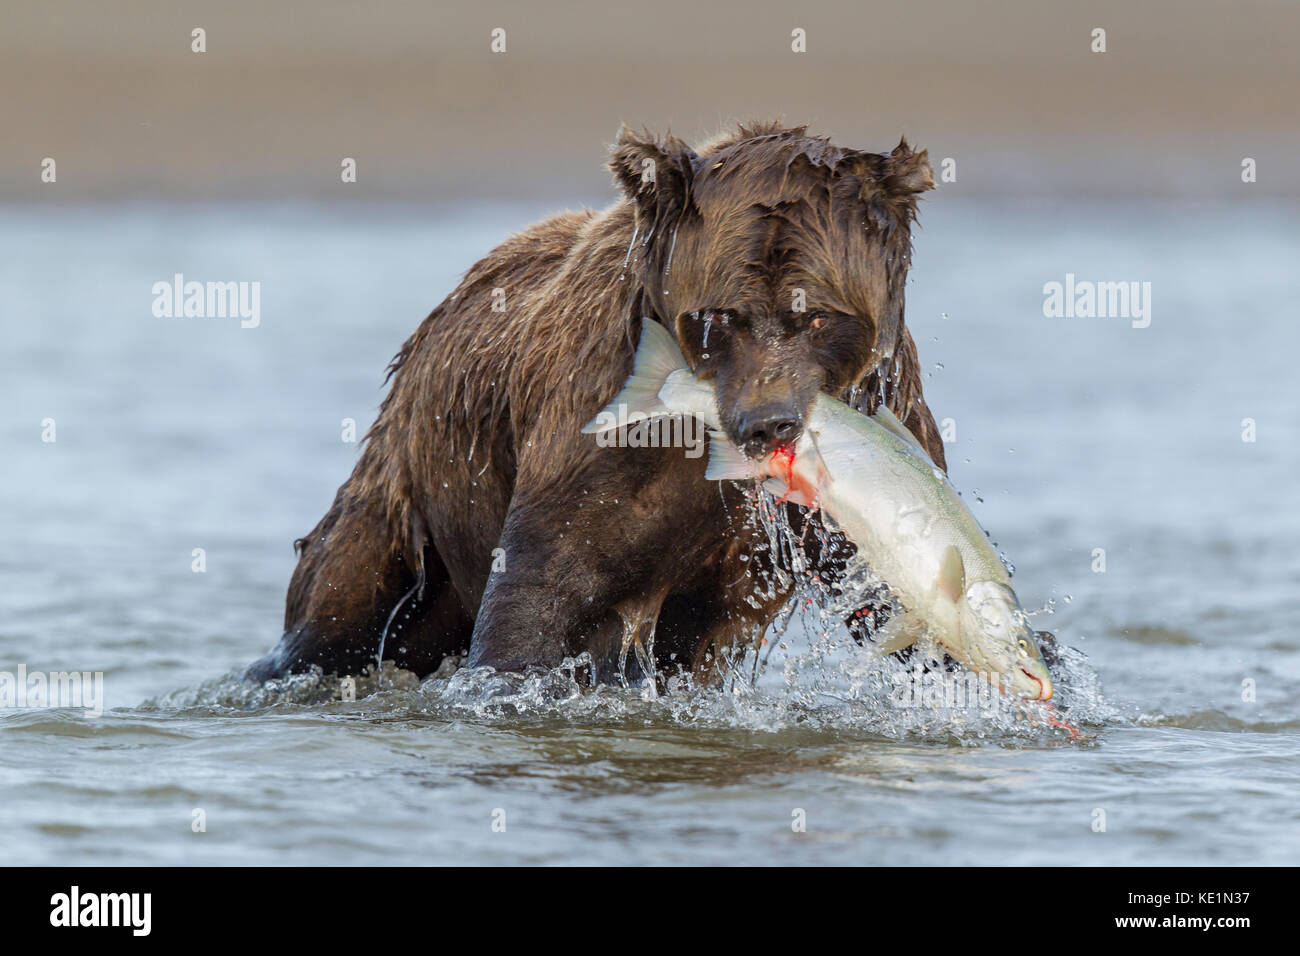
(762, 430)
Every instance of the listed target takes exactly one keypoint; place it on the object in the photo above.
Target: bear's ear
(888, 182)
(906, 172)
(656, 174)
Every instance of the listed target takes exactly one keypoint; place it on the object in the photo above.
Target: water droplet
(628, 257)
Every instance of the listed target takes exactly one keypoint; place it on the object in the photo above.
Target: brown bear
(480, 520)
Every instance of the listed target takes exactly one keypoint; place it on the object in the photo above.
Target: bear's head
(778, 259)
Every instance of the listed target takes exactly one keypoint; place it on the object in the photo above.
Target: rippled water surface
(1071, 435)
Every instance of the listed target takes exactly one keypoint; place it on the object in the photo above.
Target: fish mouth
(798, 487)
(780, 460)
(1044, 685)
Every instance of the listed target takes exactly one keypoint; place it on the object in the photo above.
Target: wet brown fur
(478, 445)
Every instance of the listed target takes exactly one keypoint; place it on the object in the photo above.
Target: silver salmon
(879, 486)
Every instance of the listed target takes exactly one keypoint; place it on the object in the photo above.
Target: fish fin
(727, 461)
(952, 574)
(900, 631)
(891, 422)
(657, 357)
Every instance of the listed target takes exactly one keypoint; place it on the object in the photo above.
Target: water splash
(805, 670)
(643, 648)
(821, 679)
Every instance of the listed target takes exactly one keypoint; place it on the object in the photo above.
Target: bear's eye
(817, 320)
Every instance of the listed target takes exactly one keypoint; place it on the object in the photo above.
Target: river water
(1106, 460)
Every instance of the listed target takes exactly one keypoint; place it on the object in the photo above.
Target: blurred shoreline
(413, 93)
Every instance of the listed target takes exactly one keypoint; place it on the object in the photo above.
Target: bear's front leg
(539, 595)
(587, 558)
(554, 594)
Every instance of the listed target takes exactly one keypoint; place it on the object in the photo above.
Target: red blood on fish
(781, 465)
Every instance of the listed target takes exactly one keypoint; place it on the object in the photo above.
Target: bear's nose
(768, 428)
